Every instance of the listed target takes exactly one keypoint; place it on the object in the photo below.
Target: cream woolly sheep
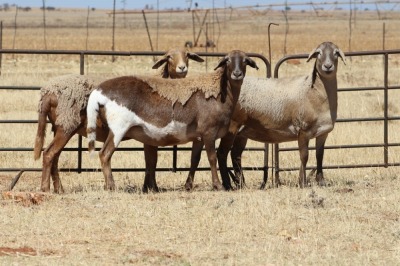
(144, 109)
(280, 110)
(63, 101)
(286, 109)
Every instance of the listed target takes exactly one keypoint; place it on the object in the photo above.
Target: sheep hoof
(109, 187)
(228, 187)
(188, 186)
(59, 190)
(320, 180)
(217, 186)
(147, 188)
(322, 183)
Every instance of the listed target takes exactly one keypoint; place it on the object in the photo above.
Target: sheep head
(327, 55)
(235, 64)
(176, 63)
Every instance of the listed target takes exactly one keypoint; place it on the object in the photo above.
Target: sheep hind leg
(105, 155)
(303, 149)
(58, 188)
(197, 147)
(236, 155)
(50, 161)
(212, 159)
(150, 156)
(320, 145)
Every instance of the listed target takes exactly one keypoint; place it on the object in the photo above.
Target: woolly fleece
(181, 90)
(72, 92)
(271, 97)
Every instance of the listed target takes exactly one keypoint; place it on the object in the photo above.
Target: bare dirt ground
(353, 221)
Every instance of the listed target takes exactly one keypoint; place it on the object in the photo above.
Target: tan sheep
(63, 101)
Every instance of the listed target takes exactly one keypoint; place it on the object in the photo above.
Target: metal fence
(275, 166)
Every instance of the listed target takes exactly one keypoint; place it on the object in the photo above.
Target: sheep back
(272, 97)
(72, 92)
(180, 90)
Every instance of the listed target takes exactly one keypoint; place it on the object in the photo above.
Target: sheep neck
(230, 89)
(329, 89)
(231, 92)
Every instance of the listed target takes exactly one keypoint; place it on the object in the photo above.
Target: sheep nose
(237, 73)
(328, 66)
(182, 68)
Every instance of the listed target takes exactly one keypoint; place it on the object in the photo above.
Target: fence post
(385, 112)
(1, 43)
(82, 72)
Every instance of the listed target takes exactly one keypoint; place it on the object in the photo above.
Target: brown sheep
(144, 109)
(63, 101)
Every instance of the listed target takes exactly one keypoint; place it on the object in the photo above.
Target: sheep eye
(336, 53)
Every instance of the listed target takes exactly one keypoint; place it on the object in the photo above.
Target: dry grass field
(353, 221)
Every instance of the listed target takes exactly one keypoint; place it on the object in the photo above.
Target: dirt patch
(26, 198)
(6, 251)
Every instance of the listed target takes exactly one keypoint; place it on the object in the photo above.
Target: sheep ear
(251, 62)
(312, 54)
(194, 57)
(341, 55)
(222, 62)
(160, 62)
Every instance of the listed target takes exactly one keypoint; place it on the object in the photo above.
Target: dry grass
(353, 221)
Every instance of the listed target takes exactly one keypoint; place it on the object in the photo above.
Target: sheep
(63, 101)
(162, 112)
(286, 109)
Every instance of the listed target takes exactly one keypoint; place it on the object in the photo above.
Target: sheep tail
(92, 113)
(44, 109)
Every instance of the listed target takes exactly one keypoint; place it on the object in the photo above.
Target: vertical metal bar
(1, 43)
(113, 34)
(383, 36)
(174, 158)
(82, 72)
(194, 28)
(276, 167)
(82, 63)
(385, 114)
(148, 34)
(265, 168)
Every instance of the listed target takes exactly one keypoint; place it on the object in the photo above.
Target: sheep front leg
(236, 155)
(303, 141)
(212, 159)
(320, 146)
(197, 146)
(222, 154)
(150, 156)
(105, 155)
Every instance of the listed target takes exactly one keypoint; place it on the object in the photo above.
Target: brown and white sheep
(162, 112)
(63, 101)
(286, 109)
